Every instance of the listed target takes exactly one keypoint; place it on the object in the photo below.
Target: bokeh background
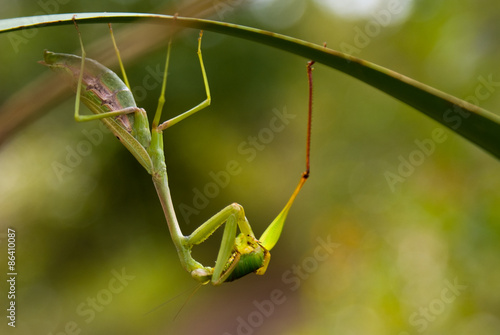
(359, 254)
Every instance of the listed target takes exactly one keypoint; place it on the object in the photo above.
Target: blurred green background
(415, 256)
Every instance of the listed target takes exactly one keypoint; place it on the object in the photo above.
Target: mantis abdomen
(102, 90)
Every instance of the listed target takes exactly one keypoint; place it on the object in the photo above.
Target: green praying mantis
(111, 101)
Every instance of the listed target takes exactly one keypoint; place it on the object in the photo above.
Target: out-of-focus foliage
(396, 232)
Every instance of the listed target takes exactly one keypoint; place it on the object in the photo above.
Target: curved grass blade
(472, 122)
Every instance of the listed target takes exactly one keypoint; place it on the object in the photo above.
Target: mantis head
(248, 255)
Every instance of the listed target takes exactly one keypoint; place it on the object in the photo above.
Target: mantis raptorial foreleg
(111, 101)
(230, 253)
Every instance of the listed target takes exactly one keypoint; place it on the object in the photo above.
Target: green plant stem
(474, 123)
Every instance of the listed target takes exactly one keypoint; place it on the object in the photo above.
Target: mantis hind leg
(130, 118)
(97, 109)
(117, 51)
(193, 110)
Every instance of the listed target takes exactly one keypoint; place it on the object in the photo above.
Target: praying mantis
(111, 101)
